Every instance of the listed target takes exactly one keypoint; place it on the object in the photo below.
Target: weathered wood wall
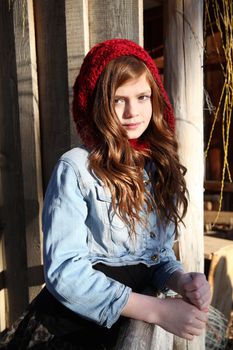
(42, 45)
(29, 123)
(12, 210)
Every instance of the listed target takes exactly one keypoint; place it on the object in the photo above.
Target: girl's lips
(131, 126)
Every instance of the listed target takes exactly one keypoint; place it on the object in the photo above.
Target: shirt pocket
(119, 230)
(109, 216)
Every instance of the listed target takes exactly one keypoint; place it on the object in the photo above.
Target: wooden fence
(42, 45)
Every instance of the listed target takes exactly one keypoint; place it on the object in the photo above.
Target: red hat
(93, 65)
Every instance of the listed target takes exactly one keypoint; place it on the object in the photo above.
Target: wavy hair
(120, 166)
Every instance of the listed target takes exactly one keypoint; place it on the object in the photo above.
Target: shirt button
(152, 234)
(154, 257)
(146, 182)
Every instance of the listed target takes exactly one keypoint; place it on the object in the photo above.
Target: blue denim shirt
(81, 229)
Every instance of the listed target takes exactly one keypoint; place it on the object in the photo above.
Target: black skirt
(47, 324)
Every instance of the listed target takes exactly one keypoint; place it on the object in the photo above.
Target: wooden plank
(214, 244)
(221, 280)
(215, 186)
(77, 38)
(116, 19)
(36, 276)
(12, 212)
(183, 32)
(53, 82)
(2, 279)
(225, 217)
(28, 100)
(140, 335)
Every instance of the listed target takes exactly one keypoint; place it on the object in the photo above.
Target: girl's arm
(174, 315)
(69, 274)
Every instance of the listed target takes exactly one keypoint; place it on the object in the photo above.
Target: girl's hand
(181, 318)
(174, 315)
(195, 288)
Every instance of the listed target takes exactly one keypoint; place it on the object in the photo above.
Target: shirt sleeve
(68, 272)
(167, 264)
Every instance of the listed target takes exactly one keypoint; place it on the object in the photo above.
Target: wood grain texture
(26, 67)
(12, 211)
(50, 31)
(77, 38)
(2, 275)
(139, 335)
(215, 186)
(184, 82)
(115, 19)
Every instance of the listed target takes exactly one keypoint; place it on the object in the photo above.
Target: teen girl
(111, 211)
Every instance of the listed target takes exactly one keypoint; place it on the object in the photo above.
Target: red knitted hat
(93, 65)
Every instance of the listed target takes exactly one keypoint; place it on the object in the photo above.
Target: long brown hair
(120, 167)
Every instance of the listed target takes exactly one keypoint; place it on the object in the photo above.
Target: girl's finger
(195, 331)
(202, 317)
(203, 294)
(206, 304)
(197, 282)
(202, 302)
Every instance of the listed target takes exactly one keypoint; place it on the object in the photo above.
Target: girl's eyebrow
(147, 92)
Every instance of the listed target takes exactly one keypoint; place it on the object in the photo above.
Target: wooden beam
(115, 19)
(12, 212)
(215, 186)
(29, 130)
(225, 217)
(2, 289)
(50, 27)
(77, 38)
(184, 82)
(140, 335)
(2, 279)
(36, 276)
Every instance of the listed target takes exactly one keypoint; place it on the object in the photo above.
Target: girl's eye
(118, 101)
(144, 97)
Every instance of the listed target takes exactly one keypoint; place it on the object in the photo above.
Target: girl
(111, 212)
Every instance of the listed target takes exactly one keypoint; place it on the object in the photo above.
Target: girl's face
(133, 106)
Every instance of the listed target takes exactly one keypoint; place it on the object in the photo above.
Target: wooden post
(77, 39)
(184, 83)
(89, 22)
(115, 19)
(2, 272)
(12, 214)
(50, 28)
(30, 135)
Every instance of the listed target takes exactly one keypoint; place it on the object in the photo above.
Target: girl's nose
(130, 110)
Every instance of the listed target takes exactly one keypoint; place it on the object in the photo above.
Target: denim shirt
(81, 229)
